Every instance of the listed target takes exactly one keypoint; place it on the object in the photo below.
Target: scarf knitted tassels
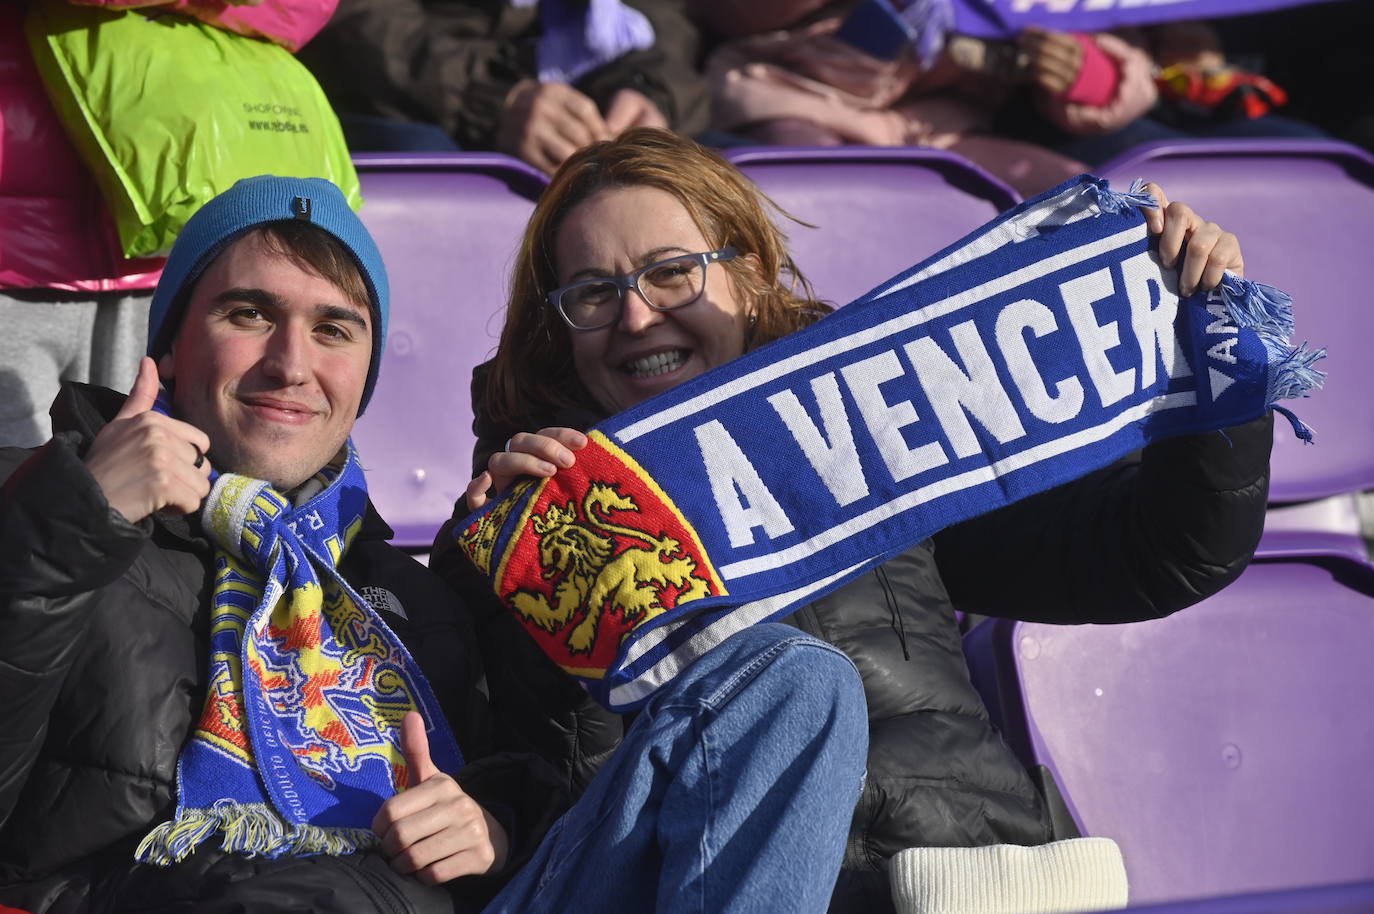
(298, 744)
(1046, 344)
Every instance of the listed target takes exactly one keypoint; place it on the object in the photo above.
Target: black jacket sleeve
(1136, 540)
(60, 541)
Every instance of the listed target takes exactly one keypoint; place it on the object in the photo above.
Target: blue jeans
(733, 791)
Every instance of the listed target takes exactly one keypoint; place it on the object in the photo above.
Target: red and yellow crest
(599, 550)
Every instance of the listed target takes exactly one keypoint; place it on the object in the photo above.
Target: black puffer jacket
(1138, 540)
(102, 676)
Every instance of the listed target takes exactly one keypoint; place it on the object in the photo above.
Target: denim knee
(792, 668)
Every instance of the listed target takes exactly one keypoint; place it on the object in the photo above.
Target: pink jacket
(54, 230)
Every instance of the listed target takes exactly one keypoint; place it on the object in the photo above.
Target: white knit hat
(1078, 874)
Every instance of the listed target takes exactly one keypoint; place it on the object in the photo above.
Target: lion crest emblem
(605, 570)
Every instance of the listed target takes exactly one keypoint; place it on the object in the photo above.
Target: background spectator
(787, 74)
(533, 79)
(1199, 91)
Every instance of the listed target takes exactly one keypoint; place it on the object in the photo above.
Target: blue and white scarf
(298, 744)
(1046, 344)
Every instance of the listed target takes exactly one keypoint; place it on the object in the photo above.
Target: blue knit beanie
(250, 203)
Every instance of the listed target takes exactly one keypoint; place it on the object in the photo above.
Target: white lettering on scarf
(1095, 339)
(885, 422)
(1015, 319)
(1087, 6)
(963, 382)
(1221, 351)
(1153, 325)
(837, 462)
(957, 393)
(733, 476)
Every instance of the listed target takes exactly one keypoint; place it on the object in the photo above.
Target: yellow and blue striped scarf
(298, 744)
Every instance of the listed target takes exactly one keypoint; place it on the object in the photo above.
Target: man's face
(270, 362)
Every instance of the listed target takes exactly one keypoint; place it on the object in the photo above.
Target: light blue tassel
(1269, 313)
(1114, 202)
(1257, 306)
(1291, 375)
(308, 840)
(1300, 428)
(172, 841)
(250, 828)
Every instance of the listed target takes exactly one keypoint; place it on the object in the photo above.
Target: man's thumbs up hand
(433, 829)
(145, 461)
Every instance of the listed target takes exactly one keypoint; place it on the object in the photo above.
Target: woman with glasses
(648, 261)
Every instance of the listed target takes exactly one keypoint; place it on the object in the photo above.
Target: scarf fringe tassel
(1116, 202)
(1255, 306)
(1269, 312)
(248, 828)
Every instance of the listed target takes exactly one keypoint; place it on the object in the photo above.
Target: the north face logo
(383, 600)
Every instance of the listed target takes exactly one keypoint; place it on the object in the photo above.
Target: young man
(225, 691)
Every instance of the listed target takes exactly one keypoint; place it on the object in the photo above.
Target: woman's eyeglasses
(673, 283)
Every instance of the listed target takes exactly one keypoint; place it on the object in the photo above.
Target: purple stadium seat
(876, 211)
(448, 226)
(1298, 543)
(1226, 748)
(1345, 898)
(1304, 211)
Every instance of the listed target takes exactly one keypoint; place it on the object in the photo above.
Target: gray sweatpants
(47, 337)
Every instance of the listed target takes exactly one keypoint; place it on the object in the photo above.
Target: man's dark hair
(316, 251)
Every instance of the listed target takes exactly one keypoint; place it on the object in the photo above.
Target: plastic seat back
(448, 226)
(1304, 212)
(1225, 748)
(876, 211)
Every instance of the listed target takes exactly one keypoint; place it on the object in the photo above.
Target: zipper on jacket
(898, 623)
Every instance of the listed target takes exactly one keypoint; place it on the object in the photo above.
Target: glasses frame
(630, 281)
